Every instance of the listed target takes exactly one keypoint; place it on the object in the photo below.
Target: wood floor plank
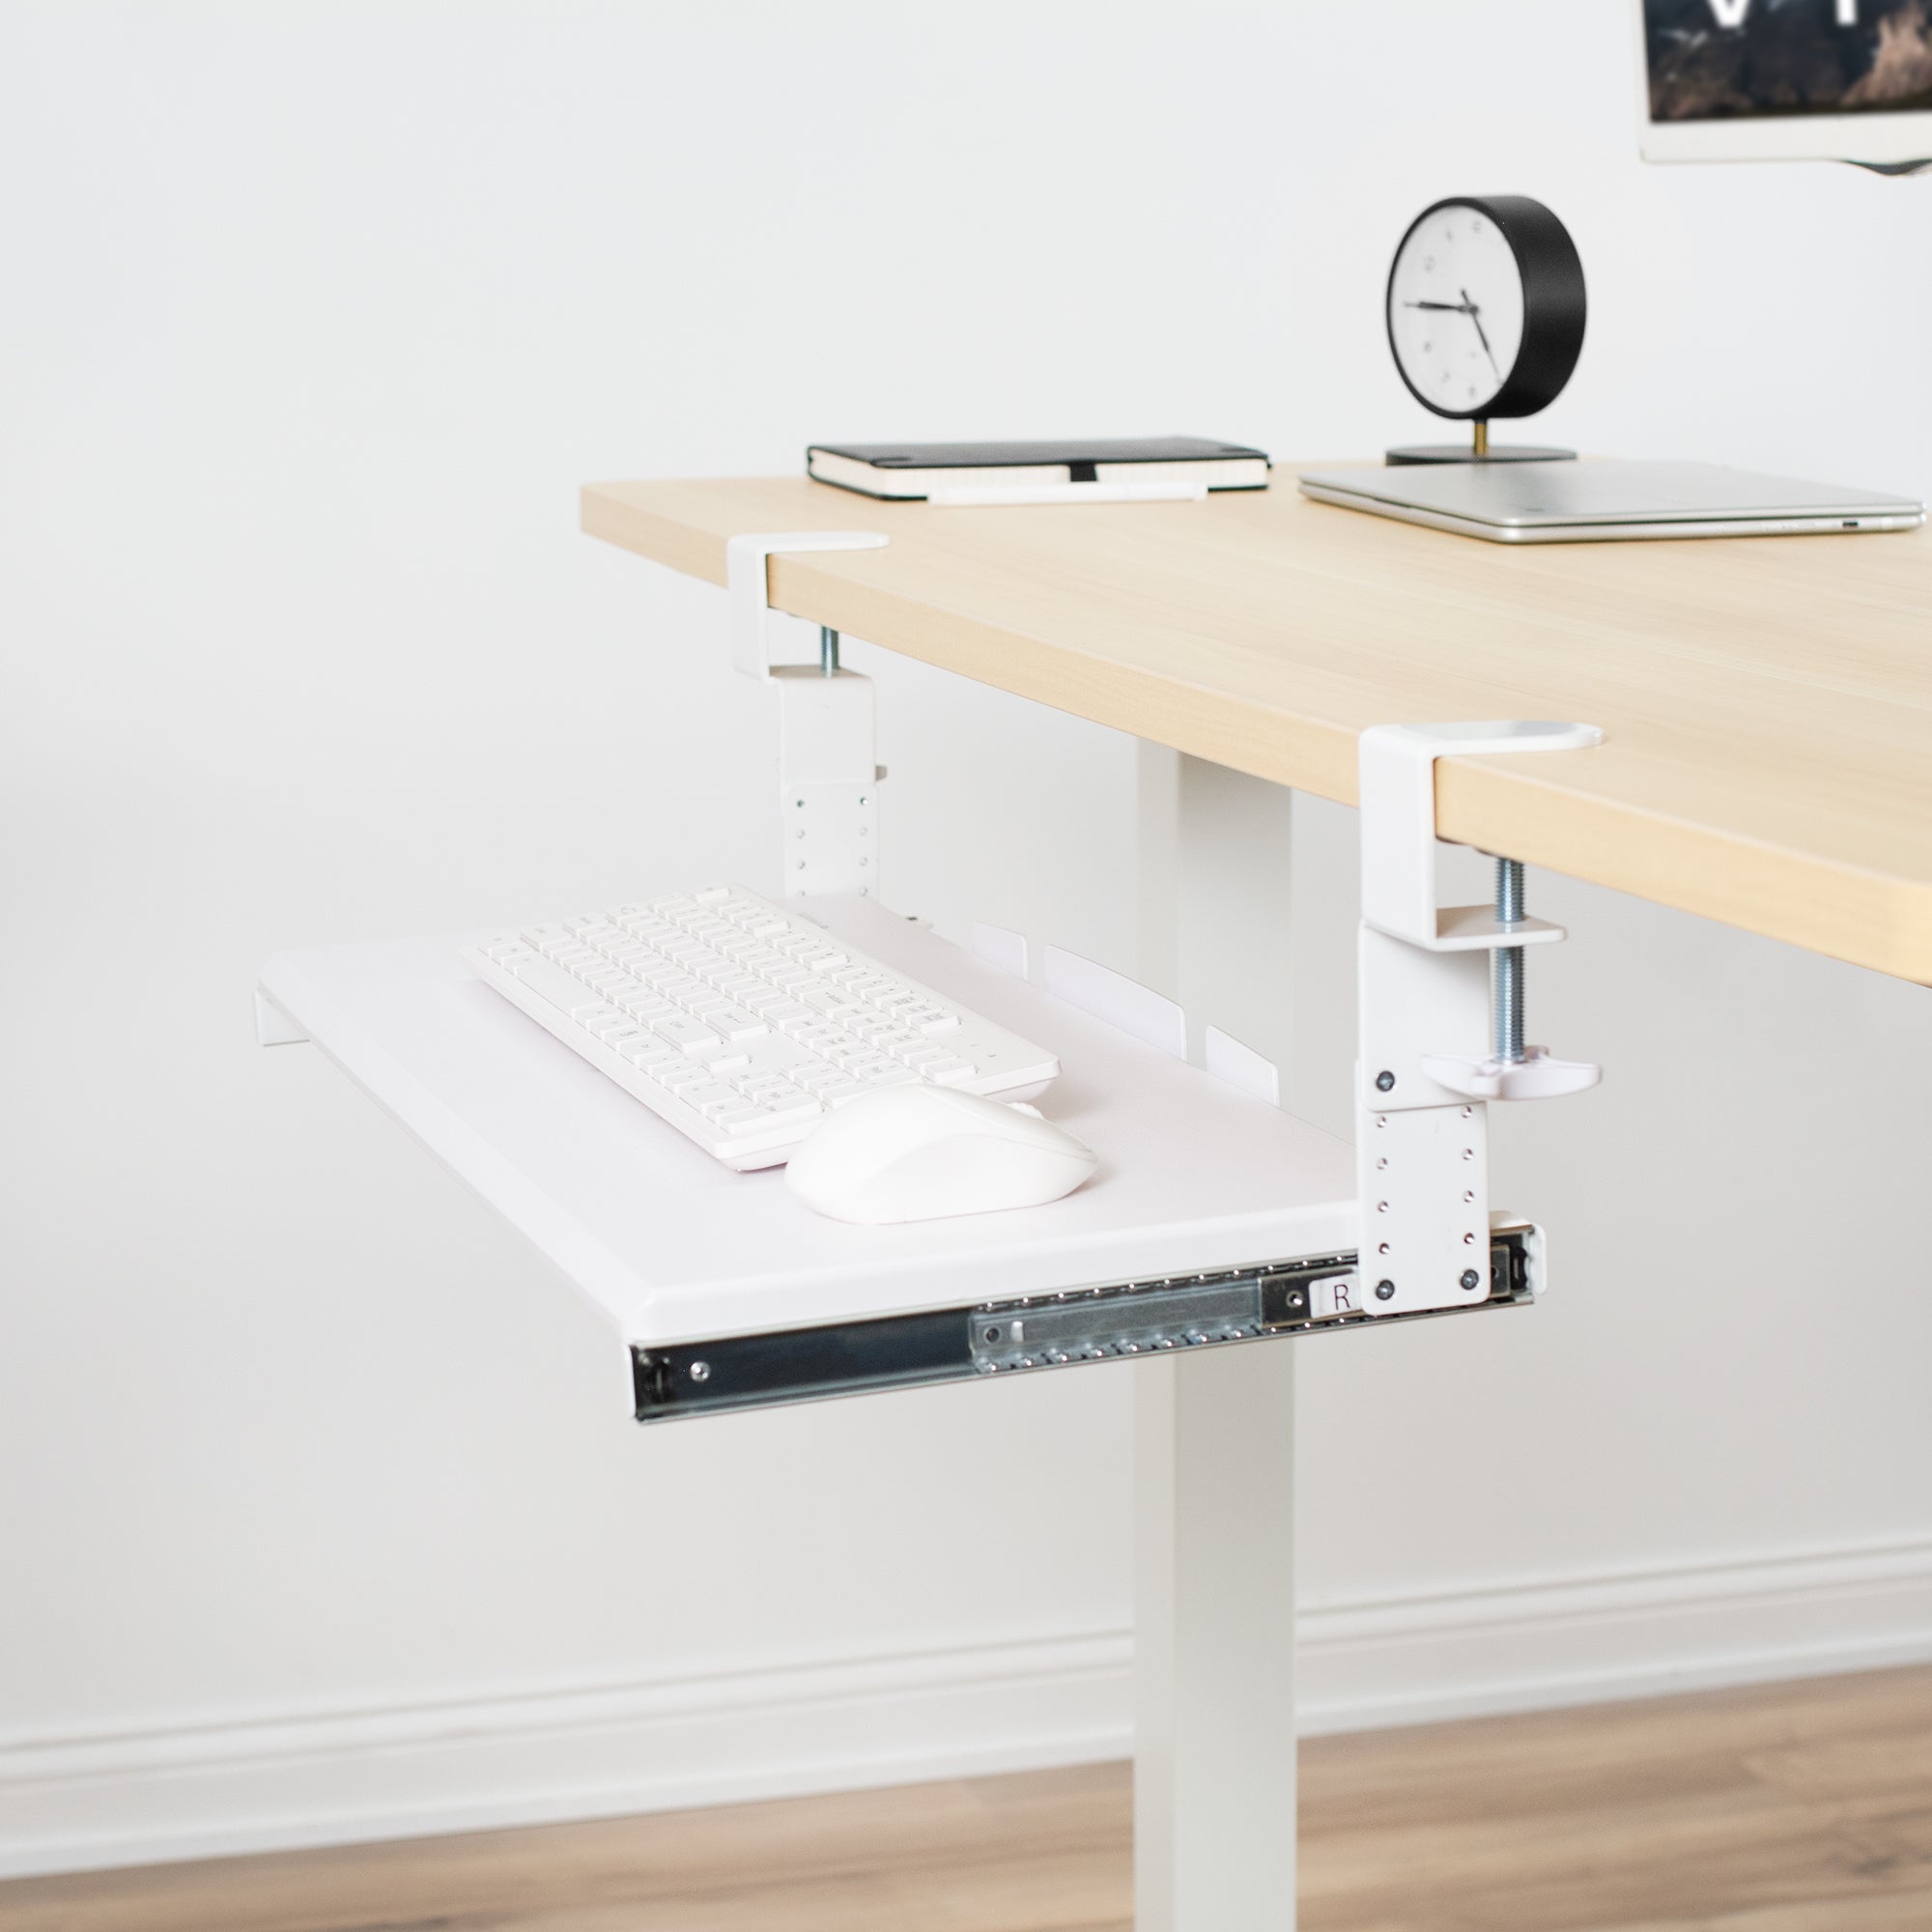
(1792, 1807)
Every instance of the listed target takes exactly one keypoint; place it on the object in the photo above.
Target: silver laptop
(1600, 499)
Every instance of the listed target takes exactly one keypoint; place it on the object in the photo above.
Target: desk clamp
(827, 774)
(1439, 1023)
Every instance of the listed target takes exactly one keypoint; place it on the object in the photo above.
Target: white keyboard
(740, 1023)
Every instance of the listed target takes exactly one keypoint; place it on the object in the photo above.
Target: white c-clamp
(827, 774)
(1440, 1029)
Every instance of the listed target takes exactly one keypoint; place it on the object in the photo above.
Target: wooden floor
(1802, 1807)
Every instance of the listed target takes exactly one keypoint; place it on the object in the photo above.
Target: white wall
(320, 1512)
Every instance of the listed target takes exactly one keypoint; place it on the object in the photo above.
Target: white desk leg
(1214, 1827)
(1215, 1642)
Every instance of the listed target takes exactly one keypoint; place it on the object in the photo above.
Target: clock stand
(1479, 450)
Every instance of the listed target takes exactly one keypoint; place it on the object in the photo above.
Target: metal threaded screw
(828, 651)
(1506, 975)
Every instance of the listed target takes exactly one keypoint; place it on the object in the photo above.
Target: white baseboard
(198, 1790)
(595, 1751)
(1592, 1639)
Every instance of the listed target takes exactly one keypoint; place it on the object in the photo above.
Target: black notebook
(913, 470)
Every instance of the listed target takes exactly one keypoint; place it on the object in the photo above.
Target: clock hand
(1474, 314)
(1448, 308)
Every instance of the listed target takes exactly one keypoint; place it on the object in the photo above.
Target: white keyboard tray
(674, 1247)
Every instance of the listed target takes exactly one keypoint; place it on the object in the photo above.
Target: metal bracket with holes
(828, 770)
(1439, 1019)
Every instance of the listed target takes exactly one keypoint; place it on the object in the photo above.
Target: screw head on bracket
(700, 1372)
(1471, 1279)
(1384, 1081)
(1384, 1290)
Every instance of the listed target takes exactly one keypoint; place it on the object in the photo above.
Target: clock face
(1455, 309)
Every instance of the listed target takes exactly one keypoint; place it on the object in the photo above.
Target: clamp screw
(1384, 1080)
(1506, 980)
(1471, 1279)
(700, 1372)
(1384, 1290)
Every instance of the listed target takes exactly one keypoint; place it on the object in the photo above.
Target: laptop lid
(1604, 490)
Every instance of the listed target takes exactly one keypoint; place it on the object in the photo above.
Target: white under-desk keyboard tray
(674, 1247)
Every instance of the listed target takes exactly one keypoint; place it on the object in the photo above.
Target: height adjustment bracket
(1428, 1058)
(828, 772)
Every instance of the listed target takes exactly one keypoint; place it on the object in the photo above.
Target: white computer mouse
(916, 1154)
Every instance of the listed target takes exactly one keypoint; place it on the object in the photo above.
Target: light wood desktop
(1768, 700)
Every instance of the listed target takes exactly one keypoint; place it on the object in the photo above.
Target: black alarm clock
(1486, 312)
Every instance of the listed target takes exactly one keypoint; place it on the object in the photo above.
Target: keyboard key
(645, 1006)
(735, 1023)
(553, 985)
(949, 1072)
(686, 1035)
(772, 1090)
